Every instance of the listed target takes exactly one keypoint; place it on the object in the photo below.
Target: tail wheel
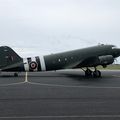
(33, 65)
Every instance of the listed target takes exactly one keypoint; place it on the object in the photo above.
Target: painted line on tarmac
(57, 85)
(72, 86)
(71, 116)
(11, 84)
(26, 77)
(18, 83)
(116, 76)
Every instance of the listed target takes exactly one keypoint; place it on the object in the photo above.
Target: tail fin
(8, 57)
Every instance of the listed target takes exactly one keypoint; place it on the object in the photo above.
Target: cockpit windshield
(114, 47)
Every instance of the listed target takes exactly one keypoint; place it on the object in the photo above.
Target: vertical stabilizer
(8, 57)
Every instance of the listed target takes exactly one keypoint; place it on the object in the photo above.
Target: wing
(88, 62)
(95, 61)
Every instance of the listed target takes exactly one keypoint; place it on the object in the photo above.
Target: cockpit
(116, 51)
(115, 47)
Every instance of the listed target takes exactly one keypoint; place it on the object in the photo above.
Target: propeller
(115, 61)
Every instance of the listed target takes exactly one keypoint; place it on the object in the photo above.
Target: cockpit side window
(114, 47)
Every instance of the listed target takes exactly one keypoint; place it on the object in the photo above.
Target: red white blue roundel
(33, 65)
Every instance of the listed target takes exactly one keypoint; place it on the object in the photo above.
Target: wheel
(97, 73)
(15, 74)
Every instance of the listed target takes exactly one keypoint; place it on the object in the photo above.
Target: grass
(111, 67)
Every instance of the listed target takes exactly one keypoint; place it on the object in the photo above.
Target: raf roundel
(33, 65)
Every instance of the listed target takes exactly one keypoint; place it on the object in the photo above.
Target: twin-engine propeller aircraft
(94, 56)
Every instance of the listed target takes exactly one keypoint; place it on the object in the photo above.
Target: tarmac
(60, 95)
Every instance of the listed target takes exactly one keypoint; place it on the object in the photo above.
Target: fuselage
(65, 60)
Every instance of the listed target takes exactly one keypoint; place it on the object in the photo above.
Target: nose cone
(116, 52)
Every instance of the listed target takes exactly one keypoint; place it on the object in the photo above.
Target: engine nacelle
(106, 60)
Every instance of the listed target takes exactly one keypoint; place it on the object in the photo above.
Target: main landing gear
(90, 73)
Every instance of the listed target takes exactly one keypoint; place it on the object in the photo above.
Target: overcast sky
(35, 27)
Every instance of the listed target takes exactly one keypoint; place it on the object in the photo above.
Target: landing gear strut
(90, 73)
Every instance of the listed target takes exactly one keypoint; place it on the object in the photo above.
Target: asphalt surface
(61, 95)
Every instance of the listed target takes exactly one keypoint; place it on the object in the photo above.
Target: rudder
(8, 57)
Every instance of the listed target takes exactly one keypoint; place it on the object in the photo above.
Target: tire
(97, 74)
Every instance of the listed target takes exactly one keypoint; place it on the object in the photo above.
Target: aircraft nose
(117, 52)
(118, 49)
